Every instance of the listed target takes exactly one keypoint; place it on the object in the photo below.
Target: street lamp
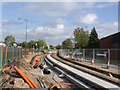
(26, 25)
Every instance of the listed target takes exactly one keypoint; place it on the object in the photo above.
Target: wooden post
(12, 52)
(6, 55)
(16, 52)
(1, 56)
(20, 52)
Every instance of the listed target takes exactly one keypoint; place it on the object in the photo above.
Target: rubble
(11, 79)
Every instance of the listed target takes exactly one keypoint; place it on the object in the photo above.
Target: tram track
(98, 74)
(97, 83)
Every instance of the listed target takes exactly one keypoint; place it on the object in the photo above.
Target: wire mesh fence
(0, 55)
(9, 54)
(99, 56)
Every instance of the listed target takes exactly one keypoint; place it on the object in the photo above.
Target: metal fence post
(108, 59)
(109, 54)
(1, 55)
(6, 55)
(93, 57)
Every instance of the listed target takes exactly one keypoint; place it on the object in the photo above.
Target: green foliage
(24, 44)
(31, 43)
(40, 43)
(46, 47)
(9, 40)
(67, 44)
(51, 47)
(93, 39)
(58, 46)
(19, 44)
(81, 37)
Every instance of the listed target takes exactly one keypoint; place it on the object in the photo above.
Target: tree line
(10, 41)
(82, 39)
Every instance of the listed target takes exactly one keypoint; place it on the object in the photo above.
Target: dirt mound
(11, 79)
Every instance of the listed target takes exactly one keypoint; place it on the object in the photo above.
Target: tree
(41, 43)
(9, 40)
(81, 37)
(31, 43)
(24, 44)
(58, 46)
(67, 44)
(19, 44)
(51, 47)
(93, 39)
(46, 47)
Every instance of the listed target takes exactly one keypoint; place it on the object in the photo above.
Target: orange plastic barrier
(25, 77)
(6, 69)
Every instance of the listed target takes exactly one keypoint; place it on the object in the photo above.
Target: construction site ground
(11, 79)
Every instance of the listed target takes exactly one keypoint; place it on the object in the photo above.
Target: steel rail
(69, 77)
(90, 80)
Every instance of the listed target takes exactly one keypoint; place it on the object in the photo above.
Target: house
(112, 41)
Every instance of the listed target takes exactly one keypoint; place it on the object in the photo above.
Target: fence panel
(4, 52)
(21, 52)
(0, 55)
(101, 56)
(115, 56)
(88, 55)
(9, 53)
(18, 53)
(15, 51)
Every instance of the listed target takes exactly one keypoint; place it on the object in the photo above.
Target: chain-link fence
(9, 54)
(98, 56)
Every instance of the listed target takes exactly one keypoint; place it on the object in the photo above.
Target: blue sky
(54, 22)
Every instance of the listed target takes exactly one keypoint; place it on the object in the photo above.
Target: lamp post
(26, 25)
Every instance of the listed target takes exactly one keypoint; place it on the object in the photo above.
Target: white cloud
(87, 19)
(5, 21)
(55, 35)
(103, 5)
(53, 23)
(52, 35)
(10, 22)
(60, 1)
(107, 29)
(60, 27)
(55, 8)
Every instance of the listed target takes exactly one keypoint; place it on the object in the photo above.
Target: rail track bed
(86, 79)
(93, 71)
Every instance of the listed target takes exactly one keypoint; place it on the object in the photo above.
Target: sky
(56, 21)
